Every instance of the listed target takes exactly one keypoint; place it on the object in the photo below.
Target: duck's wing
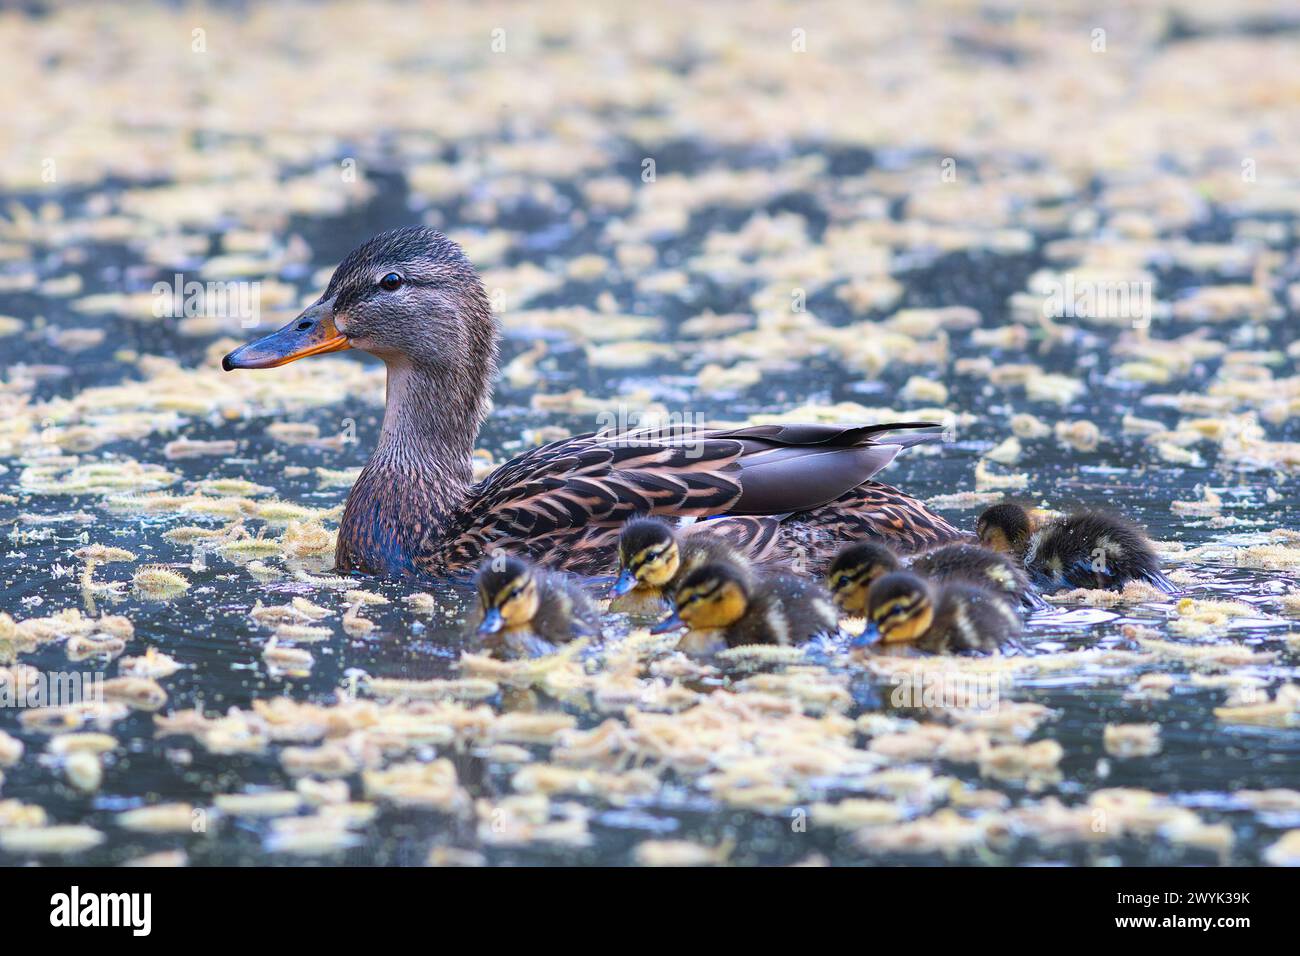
(574, 494)
(871, 510)
(757, 537)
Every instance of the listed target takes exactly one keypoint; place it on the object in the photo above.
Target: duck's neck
(409, 497)
(427, 440)
(419, 477)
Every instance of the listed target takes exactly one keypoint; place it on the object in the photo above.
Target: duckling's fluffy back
(564, 611)
(969, 618)
(784, 609)
(1092, 549)
(701, 547)
(980, 567)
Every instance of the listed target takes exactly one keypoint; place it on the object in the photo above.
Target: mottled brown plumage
(787, 492)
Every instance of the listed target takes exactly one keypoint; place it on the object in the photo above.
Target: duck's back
(761, 486)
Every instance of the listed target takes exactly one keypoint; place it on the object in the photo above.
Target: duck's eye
(391, 282)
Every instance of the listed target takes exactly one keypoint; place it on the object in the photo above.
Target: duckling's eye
(391, 282)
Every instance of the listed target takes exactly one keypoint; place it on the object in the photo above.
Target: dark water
(207, 629)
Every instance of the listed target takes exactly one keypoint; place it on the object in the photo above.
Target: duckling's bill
(671, 623)
(492, 621)
(870, 635)
(625, 583)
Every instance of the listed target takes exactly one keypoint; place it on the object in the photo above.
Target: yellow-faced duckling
(853, 572)
(949, 618)
(413, 299)
(858, 566)
(723, 607)
(530, 610)
(654, 558)
(1084, 549)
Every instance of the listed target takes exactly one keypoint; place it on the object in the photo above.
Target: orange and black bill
(312, 333)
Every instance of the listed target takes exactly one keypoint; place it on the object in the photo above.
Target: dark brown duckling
(982, 568)
(528, 610)
(723, 607)
(952, 618)
(1084, 549)
(654, 558)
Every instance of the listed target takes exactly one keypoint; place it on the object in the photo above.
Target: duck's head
(712, 596)
(648, 555)
(900, 607)
(854, 570)
(1005, 527)
(407, 296)
(507, 591)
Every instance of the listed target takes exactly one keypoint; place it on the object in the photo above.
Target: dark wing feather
(574, 493)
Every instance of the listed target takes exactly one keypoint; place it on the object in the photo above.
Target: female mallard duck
(858, 566)
(530, 610)
(654, 558)
(1085, 549)
(411, 298)
(953, 618)
(724, 606)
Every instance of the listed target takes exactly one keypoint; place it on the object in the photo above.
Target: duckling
(723, 607)
(654, 558)
(953, 618)
(858, 566)
(854, 570)
(1005, 528)
(531, 609)
(981, 568)
(1084, 549)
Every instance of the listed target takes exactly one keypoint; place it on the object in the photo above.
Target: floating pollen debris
(11, 749)
(301, 633)
(1282, 711)
(468, 688)
(1286, 851)
(103, 554)
(287, 658)
(152, 664)
(16, 815)
(95, 743)
(1132, 740)
(84, 770)
(156, 581)
(266, 803)
(139, 693)
(50, 840)
(191, 448)
(681, 853)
